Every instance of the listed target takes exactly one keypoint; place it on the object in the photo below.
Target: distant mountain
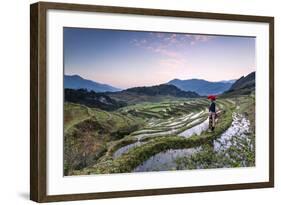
(162, 89)
(77, 82)
(202, 87)
(244, 85)
(228, 81)
(152, 94)
(91, 99)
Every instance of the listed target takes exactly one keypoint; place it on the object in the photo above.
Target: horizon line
(153, 84)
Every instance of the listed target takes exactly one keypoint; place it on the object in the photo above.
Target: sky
(125, 59)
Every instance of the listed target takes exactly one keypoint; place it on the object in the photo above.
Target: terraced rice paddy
(166, 160)
(240, 127)
(154, 136)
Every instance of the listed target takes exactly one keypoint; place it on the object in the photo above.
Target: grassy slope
(89, 131)
(74, 114)
(128, 161)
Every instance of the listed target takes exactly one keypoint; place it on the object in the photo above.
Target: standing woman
(212, 112)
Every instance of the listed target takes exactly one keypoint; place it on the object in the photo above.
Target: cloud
(170, 46)
(156, 47)
(139, 42)
(174, 39)
(197, 38)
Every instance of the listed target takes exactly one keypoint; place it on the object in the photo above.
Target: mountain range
(202, 87)
(77, 82)
(244, 85)
(93, 94)
(114, 100)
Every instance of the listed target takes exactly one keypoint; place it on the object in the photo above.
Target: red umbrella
(212, 97)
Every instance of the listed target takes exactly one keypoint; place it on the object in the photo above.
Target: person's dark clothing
(212, 107)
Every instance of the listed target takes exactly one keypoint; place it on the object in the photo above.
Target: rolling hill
(244, 85)
(151, 94)
(202, 87)
(77, 82)
(91, 99)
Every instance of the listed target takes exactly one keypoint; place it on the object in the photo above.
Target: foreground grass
(241, 153)
(87, 137)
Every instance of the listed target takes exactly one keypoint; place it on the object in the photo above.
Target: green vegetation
(87, 138)
(74, 114)
(92, 99)
(157, 93)
(243, 86)
(128, 161)
(240, 153)
(246, 106)
(92, 136)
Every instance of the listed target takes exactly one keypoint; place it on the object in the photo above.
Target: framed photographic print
(134, 102)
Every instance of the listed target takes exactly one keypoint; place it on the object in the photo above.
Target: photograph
(147, 101)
